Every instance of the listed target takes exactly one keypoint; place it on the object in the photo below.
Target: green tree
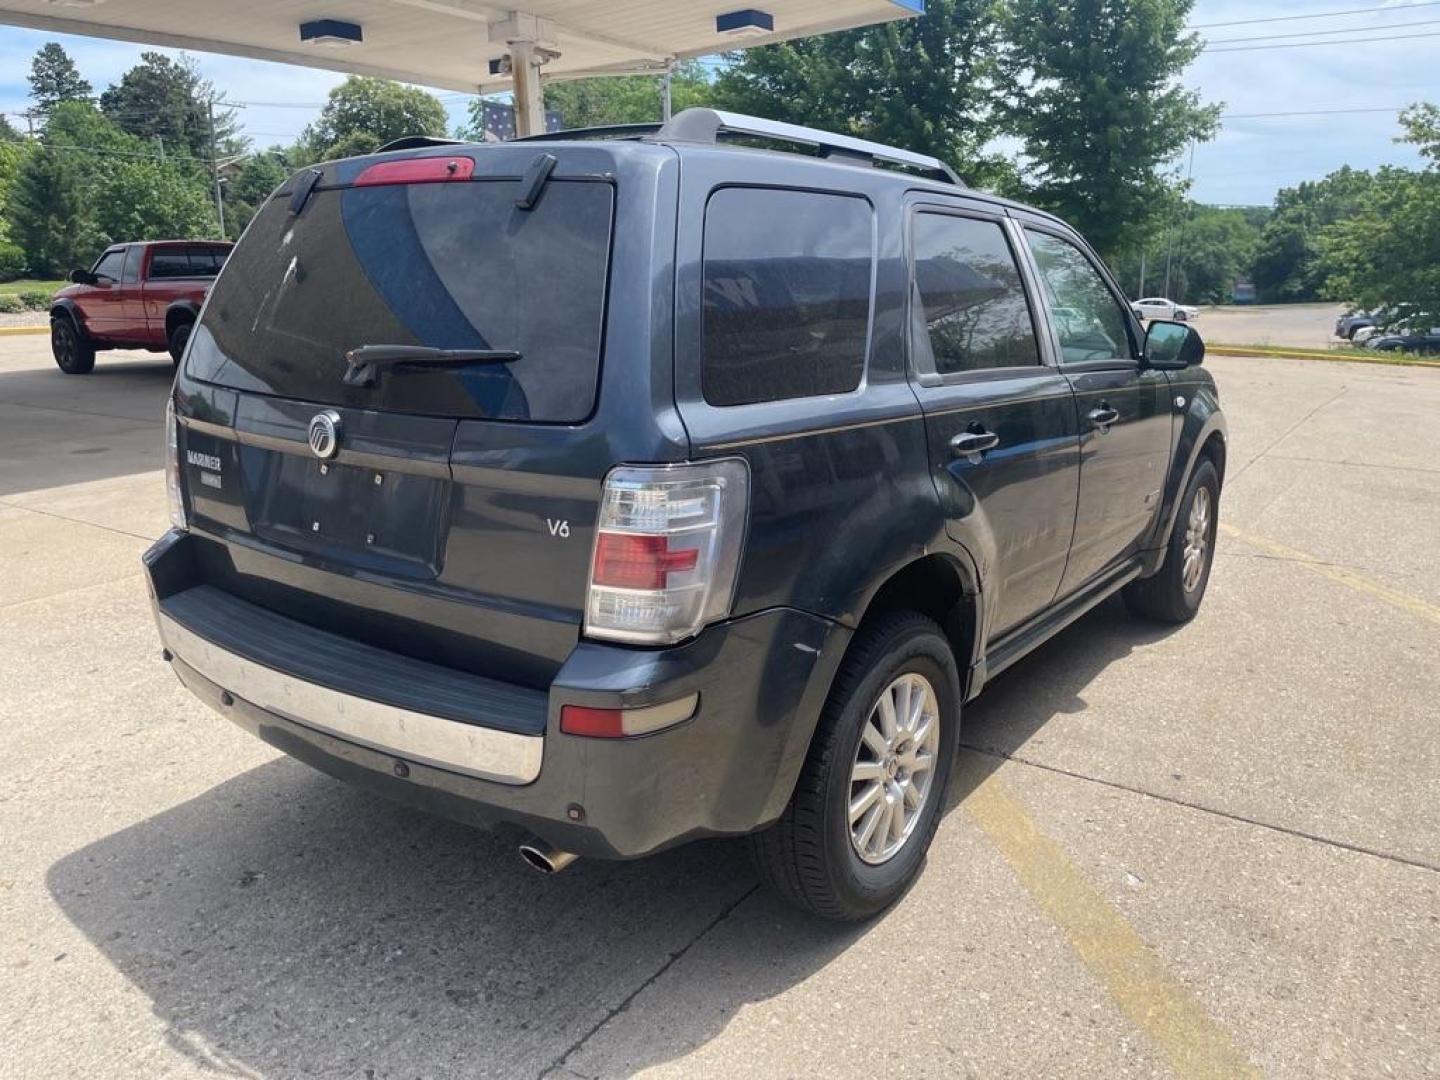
(165, 99)
(927, 84)
(49, 214)
(55, 78)
(362, 114)
(1093, 92)
(1211, 248)
(1386, 254)
(250, 185)
(1288, 267)
(145, 198)
(8, 134)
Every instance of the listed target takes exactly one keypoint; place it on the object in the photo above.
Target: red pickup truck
(136, 296)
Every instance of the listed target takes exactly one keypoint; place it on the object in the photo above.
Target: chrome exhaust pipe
(546, 859)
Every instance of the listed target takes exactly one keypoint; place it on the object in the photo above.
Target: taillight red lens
(597, 723)
(433, 170)
(631, 561)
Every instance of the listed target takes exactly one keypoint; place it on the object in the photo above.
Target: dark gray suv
(639, 489)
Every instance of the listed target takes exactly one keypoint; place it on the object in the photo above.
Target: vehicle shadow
(285, 924)
(58, 429)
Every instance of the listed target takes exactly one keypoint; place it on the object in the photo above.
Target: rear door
(1124, 411)
(454, 520)
(999, 418)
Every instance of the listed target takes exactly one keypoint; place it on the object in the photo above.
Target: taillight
(172, 468)
(430, 170)
(667, 547)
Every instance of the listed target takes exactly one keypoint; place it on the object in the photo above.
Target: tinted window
(1088, 318)
(452, 266)
(110, 264)
(786, 294)
(169, 263)
(131, 273)
(969, 304)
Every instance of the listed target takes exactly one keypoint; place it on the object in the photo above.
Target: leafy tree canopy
(1287, 266)
(54, 78)
(1093, 91)
(928, 84)
(165, 99)
(362, 114)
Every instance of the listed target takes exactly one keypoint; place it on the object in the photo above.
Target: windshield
(445, 265)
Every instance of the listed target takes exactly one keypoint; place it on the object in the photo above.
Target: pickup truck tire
(179, 335)
(73, 354)
(811, 856)
(1173, 594)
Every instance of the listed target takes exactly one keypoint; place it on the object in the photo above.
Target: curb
(1264, 351)
(6, 331)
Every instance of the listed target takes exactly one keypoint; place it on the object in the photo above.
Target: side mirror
(1171, 346)
(82, 277)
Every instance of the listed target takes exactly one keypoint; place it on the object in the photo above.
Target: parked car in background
(1346, 325)
(550, 496)
(1365, 333)
(1423, 343)
(136, 296)
(1157, 307)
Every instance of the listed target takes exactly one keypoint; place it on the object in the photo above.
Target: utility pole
(1142, 275)
(215, 170)
(160, 146)
(665, 92)
(1169, 242)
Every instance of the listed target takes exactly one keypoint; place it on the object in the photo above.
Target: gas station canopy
(460, 45)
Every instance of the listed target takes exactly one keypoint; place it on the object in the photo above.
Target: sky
(1251, 158)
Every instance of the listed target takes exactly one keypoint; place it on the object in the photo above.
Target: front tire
(73, 354)
(1173, 594)
(871, 792)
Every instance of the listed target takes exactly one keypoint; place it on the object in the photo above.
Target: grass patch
(25, 285)
(1354, 356)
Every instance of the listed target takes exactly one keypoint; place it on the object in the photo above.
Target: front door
(1000, 420)
(102, 304)
(1123, 409)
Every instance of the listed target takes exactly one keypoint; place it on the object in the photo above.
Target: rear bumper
(480, 751)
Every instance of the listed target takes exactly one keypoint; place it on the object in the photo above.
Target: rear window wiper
(367, 361)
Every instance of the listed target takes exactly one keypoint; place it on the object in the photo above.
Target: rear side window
(169, 263)
(969, 305)
(787, 282)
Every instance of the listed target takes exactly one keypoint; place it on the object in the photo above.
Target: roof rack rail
(416, 142)
(603, 131)
(706, 126)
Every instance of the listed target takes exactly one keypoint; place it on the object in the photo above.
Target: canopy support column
(529, 43)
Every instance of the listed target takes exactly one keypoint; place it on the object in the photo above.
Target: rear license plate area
(368, 517)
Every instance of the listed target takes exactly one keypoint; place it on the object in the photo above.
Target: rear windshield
(449, 265)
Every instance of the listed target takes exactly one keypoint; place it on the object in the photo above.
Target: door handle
(974, 442)
(1103, 417)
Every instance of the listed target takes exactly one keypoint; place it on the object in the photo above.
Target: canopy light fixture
(331, 33)
(746, 23)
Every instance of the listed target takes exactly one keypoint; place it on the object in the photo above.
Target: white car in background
(1157, 307)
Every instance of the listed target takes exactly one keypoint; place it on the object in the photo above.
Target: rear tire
(179, 336)
(73, 354)
(813, 855)
(1173, 594)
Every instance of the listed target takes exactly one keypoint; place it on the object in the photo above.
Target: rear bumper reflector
(502, 756)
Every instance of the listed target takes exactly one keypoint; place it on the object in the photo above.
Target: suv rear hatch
(454, 521)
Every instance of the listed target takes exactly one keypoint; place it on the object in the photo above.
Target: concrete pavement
(1206, 852)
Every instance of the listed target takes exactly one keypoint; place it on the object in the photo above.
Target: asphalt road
(1207, 852)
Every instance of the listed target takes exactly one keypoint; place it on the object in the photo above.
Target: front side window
(969, 308)
(1088, 319)
(787, 283)
(131, 274)
(110, 265)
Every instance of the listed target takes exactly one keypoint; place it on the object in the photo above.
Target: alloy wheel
(1197, 540)
(894, 767)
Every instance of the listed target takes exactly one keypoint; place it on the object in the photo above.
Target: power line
(1309, 112)
(1322, 33)
(1314, 15)
(1311, 44)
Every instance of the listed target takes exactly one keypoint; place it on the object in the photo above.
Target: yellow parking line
(1156, 1002)
(1359, 582)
